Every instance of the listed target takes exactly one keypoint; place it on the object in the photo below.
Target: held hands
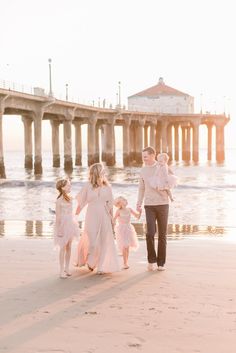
(139, 209)
(77, 210)
(139, 213)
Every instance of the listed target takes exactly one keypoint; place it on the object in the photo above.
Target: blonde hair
(60, 184)
(117, 202)
(163, 157)
(95, 175)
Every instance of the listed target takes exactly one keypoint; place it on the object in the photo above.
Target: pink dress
(163, 178)
(97, 246)
(125, 233)
(66, 227)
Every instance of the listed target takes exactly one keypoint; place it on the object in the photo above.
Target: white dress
(66, 227)
(97, 246)
(126, 235)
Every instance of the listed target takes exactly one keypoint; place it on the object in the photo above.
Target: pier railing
(39, 91)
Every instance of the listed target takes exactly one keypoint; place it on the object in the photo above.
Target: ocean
(205, 198)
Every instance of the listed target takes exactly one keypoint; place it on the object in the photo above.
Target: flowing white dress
(97, 246)
(66, 227)
(126, 235)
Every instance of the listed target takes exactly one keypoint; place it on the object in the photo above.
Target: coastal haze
(95, 45)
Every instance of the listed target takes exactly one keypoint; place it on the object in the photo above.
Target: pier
(176, 134)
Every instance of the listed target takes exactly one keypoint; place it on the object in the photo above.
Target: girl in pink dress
(126, 236)
(66, 227)
(164, 178)
(97, 246)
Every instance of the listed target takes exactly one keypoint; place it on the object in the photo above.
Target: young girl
(164, 178)
(125, 233)
(65, 226)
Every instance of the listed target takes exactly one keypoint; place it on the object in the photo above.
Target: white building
(161, 99)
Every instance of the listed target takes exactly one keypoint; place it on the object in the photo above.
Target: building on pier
(161, 99)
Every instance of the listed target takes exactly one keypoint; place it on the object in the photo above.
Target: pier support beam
(184, 139)
(110, 143)
(220, 143)
(152, 135)
(132, 141)
(164, 125)
(97, 146)
(27, 121)
(38, 118)
(55, 124)
(68, 164)
(126, 142)
(78, 143)
(139, 142)
(158, 138)
(146, 136)
(176, 126)
(195, 148)
(209, 142)
(169, 141)
(91, 141)
(188, 142)
(2, 166)
(103, 137)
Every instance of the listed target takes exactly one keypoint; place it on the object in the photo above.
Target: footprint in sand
(134, 345)
(90, 312)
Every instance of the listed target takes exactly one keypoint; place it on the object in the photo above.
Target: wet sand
(190, 307)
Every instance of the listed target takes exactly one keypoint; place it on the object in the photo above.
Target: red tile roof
(159, 89)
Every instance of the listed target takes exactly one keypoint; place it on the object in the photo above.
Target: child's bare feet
(68, 273)
(90, 268)
(125, 267)
(63, 275)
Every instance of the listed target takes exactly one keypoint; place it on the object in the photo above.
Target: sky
(94, 44)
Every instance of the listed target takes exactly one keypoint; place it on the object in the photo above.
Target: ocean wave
(123, 185)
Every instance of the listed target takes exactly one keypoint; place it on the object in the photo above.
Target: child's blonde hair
(95, 175)
(117, 202)
(163, 157)
(60, 184)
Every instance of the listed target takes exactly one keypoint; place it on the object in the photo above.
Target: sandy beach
(190, 307)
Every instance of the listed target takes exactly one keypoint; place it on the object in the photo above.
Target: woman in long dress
(97, 246)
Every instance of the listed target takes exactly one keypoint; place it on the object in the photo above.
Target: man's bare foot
(100, 273)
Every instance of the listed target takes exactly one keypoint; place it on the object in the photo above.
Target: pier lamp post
(117, 99)
(201, 103)
(66, 91)
(50, 77)
(224, 104)
(119, 94)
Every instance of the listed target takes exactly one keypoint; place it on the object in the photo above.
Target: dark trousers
(156, 214)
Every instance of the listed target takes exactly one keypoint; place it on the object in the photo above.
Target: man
(156, 204)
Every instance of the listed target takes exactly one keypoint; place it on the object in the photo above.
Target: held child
(164, 178)
(125, 233)
(66, 227)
